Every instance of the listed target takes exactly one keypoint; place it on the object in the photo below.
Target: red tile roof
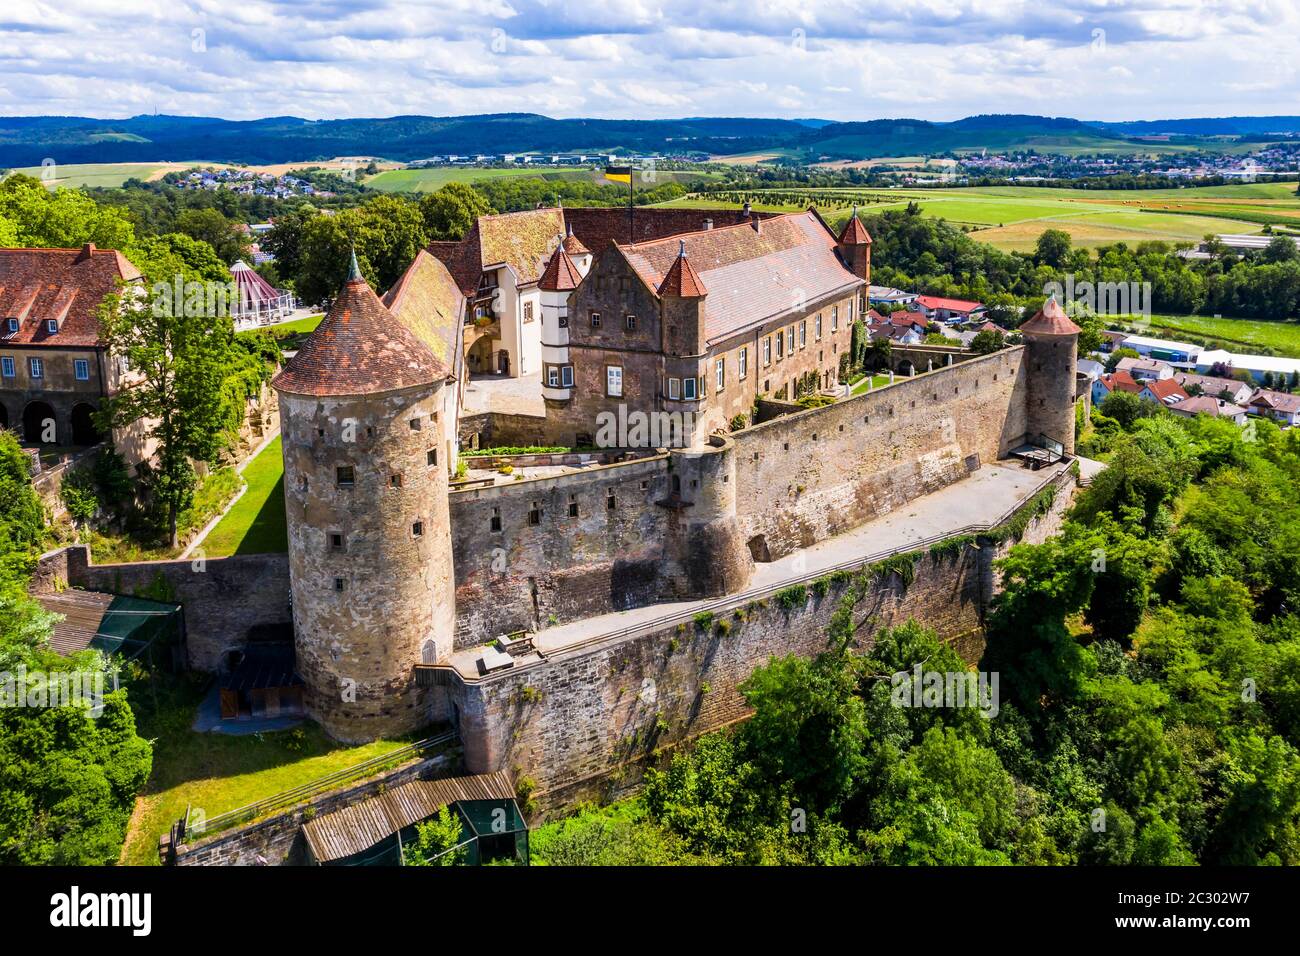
(1121, 380)
(682, 281)
(1165, 388)
(360, 348)
(1050, 320)
(752, 274)
(952, 305)
(63, 284)
(854, 233)
(561, 274)
(572, 244)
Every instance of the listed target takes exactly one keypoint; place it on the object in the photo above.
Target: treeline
(1147, 708)
(911, 251)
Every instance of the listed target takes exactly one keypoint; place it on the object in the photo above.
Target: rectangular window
(573, 506)
(345, 475)
(37, 367)
(52, 326)
(336, 542)
(610, 501)
(688, 389)
(564, 320)
(817, 327)
(11, 326)
(614, 381)
(674, 388)
(595, 320)
(340, 584)
(7, 367)
(431, 456)
(789, 340)
(742, 363)
(528, 312)
(566, 376)
(803, 333)
(780, 345)
(535, 513)
(81, 368)
(629, 322)
(720, 375)
(553, 376)
(835, 317)
(495, 523)
(767, 350)
(417, 529)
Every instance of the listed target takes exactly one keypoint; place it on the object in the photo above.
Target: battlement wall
(805, 477)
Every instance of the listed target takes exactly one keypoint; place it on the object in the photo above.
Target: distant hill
(26, 141)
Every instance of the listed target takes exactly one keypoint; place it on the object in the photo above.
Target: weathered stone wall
(804, 477)
(369, 554)
(496, 429)
(583, 722)
(221, 598)
(562, 567)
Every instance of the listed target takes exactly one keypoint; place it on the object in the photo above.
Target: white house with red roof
(939, 309)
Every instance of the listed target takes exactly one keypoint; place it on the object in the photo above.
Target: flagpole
(631, 231)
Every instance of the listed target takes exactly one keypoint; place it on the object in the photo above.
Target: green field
(1236, 334)
(74, 175)
(1013, 217)
(256, 522)
(427, 180)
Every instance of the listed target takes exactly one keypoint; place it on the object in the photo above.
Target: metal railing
(732, 601)
(288, 798)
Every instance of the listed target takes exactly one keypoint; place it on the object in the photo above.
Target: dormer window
(11, 326)
(52, 326)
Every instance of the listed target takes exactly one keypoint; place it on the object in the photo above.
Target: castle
(398, 578)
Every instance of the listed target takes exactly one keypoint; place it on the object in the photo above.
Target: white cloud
(932, 59)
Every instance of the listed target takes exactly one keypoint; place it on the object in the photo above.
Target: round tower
(365, 484)
(555, 286)
(1051, 343)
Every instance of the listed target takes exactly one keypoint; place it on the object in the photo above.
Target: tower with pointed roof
(855, 247)
(562, 276)
(366, 461)
(1051, 342)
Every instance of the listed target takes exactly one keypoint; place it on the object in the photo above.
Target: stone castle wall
(584, 722)
(804, 477)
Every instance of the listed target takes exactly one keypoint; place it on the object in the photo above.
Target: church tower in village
(365, 483)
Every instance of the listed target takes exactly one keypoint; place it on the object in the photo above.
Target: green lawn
(875, 381)
(256, 523)
(296, 327)
(1239, 335)
(215, 773)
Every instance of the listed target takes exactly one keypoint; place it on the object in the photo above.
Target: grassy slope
(216, 772)
(1238, 334)
(256, 523)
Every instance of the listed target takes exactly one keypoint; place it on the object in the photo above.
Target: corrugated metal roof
(353, 829)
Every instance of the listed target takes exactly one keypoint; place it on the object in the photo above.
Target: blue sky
(928, 59)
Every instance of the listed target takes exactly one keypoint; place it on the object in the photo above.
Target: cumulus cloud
(836, 59)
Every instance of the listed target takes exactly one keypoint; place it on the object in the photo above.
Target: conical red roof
(561, 274)
(1050, 320)
(854, 233)
(360, 348)
(682, 280)
(572, 244)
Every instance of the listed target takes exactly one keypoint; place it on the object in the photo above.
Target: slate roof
(751, 274)
(63, 284)
(1050, 320)
(360, 348)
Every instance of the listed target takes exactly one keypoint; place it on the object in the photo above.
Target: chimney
(757, 224)
(745, 210)
(86, 252)
(708, 224)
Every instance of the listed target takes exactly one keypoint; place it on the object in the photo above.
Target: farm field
(109, 175)
(1012, 218)
(1241, 335)
(428, 180)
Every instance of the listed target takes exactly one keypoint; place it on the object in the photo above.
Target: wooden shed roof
(360, 826)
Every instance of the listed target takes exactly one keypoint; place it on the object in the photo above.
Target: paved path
(986, 495)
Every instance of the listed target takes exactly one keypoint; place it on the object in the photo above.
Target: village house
(701, 324)
(1145, 370)
(1282, 407)
(1208, 405)
(1164, 390)
(1116, 381)
(900, 328)
(1230, 389)
(888, 296)
(958, 311)
(55, 371)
